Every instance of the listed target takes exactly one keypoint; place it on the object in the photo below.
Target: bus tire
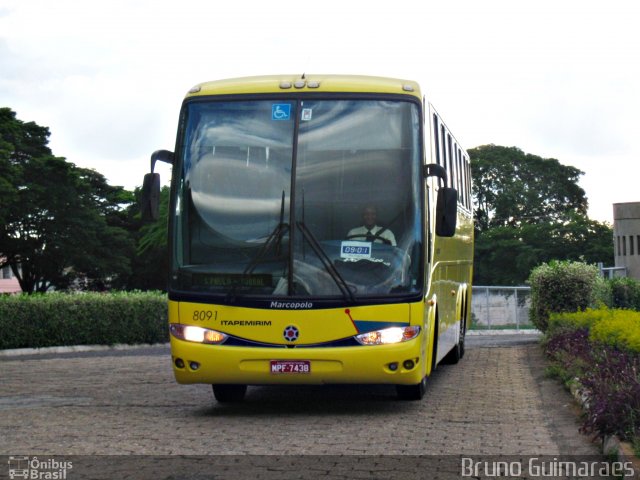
(412, 392)
(229, 393)
(463, 328)
(463, 332)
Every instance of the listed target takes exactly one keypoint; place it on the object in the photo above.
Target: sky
(555, 78)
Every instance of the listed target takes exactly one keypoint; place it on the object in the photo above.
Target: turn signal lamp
(388, 336)
(195, 334)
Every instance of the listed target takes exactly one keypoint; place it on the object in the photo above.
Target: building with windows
(8, 281)
(626, 237)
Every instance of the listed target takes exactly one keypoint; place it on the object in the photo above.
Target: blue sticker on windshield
(281, 111)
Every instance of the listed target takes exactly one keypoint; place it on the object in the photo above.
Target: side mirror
(150, 201)
(447, 206)
(446, 212)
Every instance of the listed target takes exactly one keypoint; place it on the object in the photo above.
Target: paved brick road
(495, 402)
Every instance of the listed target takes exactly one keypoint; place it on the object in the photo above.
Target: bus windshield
(299, 198)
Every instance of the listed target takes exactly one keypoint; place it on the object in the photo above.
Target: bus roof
(307, 83)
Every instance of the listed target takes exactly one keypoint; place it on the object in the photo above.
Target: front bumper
(220, 364)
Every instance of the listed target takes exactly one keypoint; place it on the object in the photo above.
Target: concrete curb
(504, 332)
(19, 352)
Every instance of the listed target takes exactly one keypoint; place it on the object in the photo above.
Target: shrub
(575, 320)
(602, 294)
(625, 293)
(561, 287)
(572, 352)
(620, 329)
(600, 349)
(612, 386)
(57, 319)
(613, 327)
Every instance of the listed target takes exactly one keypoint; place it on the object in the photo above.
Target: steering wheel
(376, 236)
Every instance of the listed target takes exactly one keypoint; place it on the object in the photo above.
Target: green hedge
(613, 327)
(57, 319)
(624, 293)
(561, 287)
(598, 351)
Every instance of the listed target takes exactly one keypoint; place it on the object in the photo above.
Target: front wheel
(412, 392)
(229, 393)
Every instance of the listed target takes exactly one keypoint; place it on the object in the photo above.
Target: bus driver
(371, 232)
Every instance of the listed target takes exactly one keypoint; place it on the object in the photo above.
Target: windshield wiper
(275, 237)
(326, 261)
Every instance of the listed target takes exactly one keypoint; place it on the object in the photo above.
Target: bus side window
(436, 139)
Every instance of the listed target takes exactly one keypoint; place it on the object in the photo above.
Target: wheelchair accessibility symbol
(280, 111)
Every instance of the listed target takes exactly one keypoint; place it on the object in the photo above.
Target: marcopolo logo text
(292, 305)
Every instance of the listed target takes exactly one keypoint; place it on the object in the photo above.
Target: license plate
(279, 367)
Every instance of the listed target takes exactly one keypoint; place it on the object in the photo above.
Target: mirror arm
(161, 156)
(435, 170)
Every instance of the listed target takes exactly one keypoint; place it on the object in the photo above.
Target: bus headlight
(388, 336)
(195, 334)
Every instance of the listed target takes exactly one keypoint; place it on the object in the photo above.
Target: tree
(506, 255)
(59, 222)
(530, 210)
(512, 188)
(150, 265)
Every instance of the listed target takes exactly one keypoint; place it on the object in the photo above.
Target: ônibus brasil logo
(40, 469)
(291, 333)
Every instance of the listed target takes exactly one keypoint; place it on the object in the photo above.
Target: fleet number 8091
(204, 315)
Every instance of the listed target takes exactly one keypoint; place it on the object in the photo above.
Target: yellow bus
(320, 233)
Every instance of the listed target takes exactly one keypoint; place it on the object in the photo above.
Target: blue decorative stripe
(365, 326)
